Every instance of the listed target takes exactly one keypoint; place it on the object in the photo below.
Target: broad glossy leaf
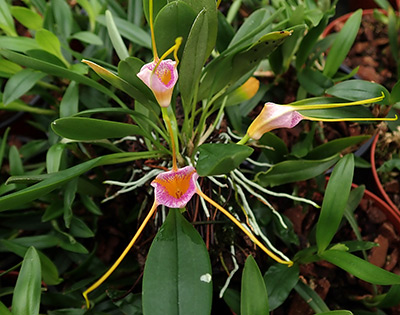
(254, 298)
(174, 20)
(20, 44)
(8, 68)
(27, 17)
(335, 146)
(193, 59)
(15, 200)
(356, 90)
(26, 297)
(277, 150)
(219, 158)
(89, 129)
(4, 310)
(210, 9)
(177, 274)
(342, 44)
(280, 280)
(391, 298)
(14, 158)
(337, 312)
(294, 170)
(335, 200)
(360, 268)
(395, 94)
(80, 229)
(20, 83)
(57, 71)
(46, 56)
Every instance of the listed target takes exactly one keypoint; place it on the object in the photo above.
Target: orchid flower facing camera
(160, 75)
(274, 116)
(174, 189)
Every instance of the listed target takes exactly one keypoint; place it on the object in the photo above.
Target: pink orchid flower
(161, 78)
(274, 116)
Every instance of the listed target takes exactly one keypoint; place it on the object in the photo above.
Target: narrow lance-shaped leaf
(26, 298)
(254, 298)
(335, 200)
(342, 44)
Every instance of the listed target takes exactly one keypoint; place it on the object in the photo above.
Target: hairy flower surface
(161, 78)
(174, 189)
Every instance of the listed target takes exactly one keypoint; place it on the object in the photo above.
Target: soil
(371, 52)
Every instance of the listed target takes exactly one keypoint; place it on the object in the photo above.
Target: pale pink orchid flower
(274, 116)
(160, 77)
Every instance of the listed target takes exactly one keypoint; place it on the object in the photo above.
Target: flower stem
(118, 261)
(167, 121)
(244, 140)
(153, 40)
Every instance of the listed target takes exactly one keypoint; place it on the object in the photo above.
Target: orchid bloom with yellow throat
(174, 189)
(160, 75)
(274, 116)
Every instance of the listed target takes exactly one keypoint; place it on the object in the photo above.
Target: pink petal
(273, 116)
(174, 189)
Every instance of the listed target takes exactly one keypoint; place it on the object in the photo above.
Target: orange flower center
(177, 185)
(164, 75)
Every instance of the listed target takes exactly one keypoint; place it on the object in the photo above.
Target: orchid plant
(192, 157)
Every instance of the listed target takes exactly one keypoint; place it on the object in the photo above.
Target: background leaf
(254, 298)
(26, 298)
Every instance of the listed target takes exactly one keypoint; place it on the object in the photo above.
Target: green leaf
(129, 30)
(88, 37)
(173, 21)
(280, 280)
(277, 150)
(58, 72)
(313, 81)
(391, 298)
(342, 44)
(63, 19)
(356, 90)
(89, 129)
(228, 68)
(49, 270)
(118, 82)
(4, 310)
(335, 146)
(115, 37)
(3, 145)
(177, 274)
(21, 44)
(393, 31)
(360, 268)
(220, 158)
(311, 297)
(69, 196)
(26, 298)
(193, 59)
(6, 20)
(27, 17)
(80, 229)
(55, 180)
(53, 157)
(254, 298)
(395, 94)
(70, 101)
(20, 83)
(292, 171)
(14, 158)
(335, 200)
(49, 42)
(20, 106)
(8, 68)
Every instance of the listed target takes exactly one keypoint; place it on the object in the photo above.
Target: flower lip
(174, 189)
